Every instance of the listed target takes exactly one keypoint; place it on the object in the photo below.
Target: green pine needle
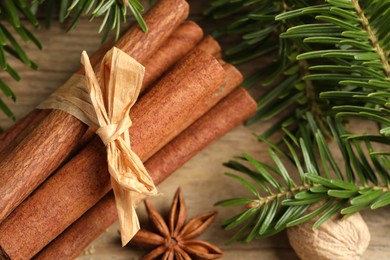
(331, 64)
(285, 202)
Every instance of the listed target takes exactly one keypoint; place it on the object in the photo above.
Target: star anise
(175, 240)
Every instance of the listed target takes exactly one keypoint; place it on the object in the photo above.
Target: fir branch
(332, 64)
(373, 38)
(10, 13)
(113, 11)
(348, 48)
(320, 45)
(361, 185)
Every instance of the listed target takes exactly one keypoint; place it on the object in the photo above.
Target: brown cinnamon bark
(178, 44)
(84, 180)
(36, 157)
(82, 232)
(26, 124)
(176, 47)
(16, 133)
(227, 114)
(199, 71)
(183, 41)
(46, 147)
(211, 45)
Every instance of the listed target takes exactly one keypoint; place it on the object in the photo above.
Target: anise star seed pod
(175, 240)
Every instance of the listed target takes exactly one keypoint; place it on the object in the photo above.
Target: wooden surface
(201, 179)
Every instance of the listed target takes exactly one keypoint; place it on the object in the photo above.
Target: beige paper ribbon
(122, 77)
(105, 105)
(73, 98)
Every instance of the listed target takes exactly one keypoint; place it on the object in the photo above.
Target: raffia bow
(112, 98)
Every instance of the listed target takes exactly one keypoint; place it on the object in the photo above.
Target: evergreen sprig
(350, 52)
(279, 202)
(331, 63)
(114, 13)
(11, 13)
(320, 49)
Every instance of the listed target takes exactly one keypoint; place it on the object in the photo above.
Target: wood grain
(201, 179)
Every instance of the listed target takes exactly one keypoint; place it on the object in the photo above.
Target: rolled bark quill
(180, 43)
(233, 79)
(49, 191)
(177, 45)
(211, 45)
(46, 147)
(26, 124)
(17, 132)
(226, 115)
(84, 180)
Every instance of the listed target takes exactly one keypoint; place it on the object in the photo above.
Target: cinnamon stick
(70, 243)
(178, 44)
(84, 180)
(211, 45)
(176, 47)
(26, 124)
(227, 114)
(182, 40)
(46, 147)
(17, 132)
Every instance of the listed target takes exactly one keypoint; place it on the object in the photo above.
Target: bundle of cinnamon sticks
(54, 184)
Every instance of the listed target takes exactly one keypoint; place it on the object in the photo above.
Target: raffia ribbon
(121, 78)
(105, 105)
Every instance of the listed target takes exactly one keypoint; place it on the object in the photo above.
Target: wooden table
(201, 179)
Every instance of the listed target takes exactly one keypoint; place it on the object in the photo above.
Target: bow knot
(112, 98)
(111, 132)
